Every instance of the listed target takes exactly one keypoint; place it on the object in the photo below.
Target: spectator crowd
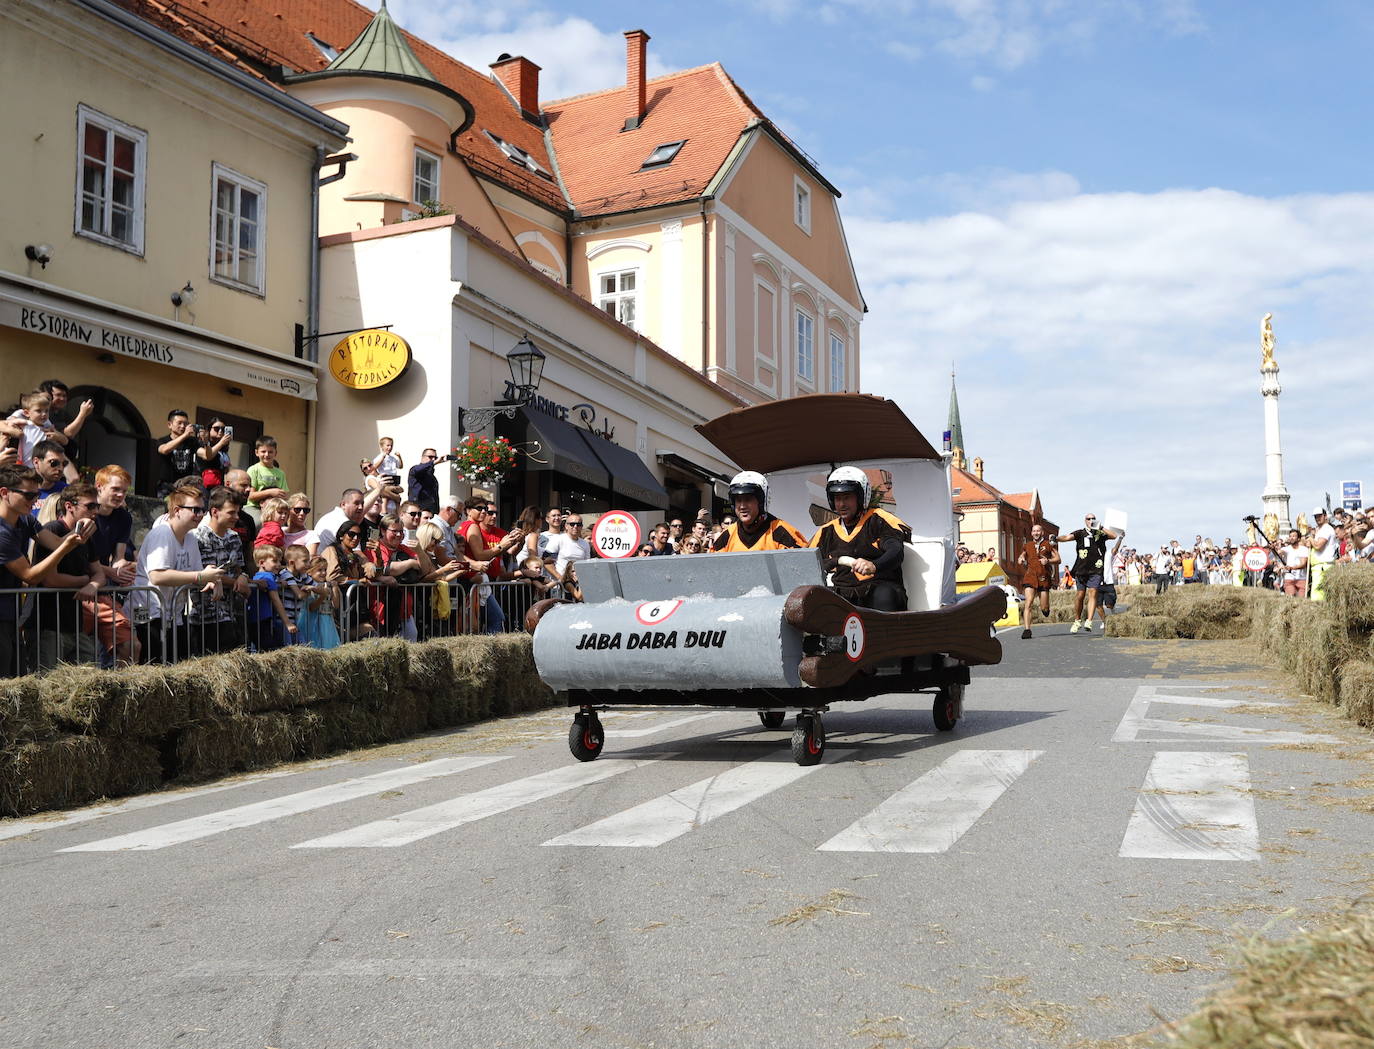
(241, 560)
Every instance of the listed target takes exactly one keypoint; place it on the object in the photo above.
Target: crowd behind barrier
(65, 625)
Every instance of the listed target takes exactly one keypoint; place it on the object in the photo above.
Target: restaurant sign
(102, 329)
(369, 359)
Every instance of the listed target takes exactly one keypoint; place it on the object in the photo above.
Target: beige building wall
(55, 57)
(100, 315)
(668, 251)
(468, 302)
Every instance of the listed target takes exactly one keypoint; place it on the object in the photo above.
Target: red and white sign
(615, 535)
(651, 613)
(1255, 558)
(854, 638)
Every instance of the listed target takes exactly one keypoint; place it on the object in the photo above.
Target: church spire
(955, 427)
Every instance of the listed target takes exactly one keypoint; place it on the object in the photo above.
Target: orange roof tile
(259, 35)
(602, 166)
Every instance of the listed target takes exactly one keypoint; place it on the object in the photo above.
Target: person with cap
(862, 547)
(1324, 551)
(1088, 568)
(754, 528)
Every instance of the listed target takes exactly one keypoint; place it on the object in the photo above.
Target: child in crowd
(266, 478)
(273, 531)
(388, 464)
(536, 573)
(33, 417)
(268, 624)
(321, 632)
(310, 598)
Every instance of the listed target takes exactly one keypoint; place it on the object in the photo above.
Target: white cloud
(575, 55)
(1107, 344)
(1007, 34)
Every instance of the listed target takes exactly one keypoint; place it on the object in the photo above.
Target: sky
(1082, 207)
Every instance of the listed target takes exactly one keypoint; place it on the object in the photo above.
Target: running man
(1091, 548)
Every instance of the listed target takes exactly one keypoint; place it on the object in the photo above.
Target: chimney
(521, 78)
(636, 41)
(978, 468)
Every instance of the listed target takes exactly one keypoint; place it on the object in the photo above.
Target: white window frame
(805, 342)
(801, 204)
(619, 296)
(425, 155)
(837, 357)
(85, 117)
(219, 172)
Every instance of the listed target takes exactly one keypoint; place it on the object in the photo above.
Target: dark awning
(630, 478)
(561, 446)
(817, 428)
(686, 465)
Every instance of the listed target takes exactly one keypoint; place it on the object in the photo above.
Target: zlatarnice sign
(369, 359)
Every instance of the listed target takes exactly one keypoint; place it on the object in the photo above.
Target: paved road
(1068, 864)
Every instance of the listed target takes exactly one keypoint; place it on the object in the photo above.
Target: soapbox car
(761, 630)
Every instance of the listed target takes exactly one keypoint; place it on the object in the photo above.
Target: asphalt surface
(704, 891)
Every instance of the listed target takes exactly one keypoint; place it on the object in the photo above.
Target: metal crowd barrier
(57, 625)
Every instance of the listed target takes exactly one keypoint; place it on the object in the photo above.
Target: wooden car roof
(817, 428)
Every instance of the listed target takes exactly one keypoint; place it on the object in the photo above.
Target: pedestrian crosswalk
(1188, 806)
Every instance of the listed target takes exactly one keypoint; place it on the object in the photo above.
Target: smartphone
(229, 432)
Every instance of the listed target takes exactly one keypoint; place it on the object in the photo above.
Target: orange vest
(734, 544)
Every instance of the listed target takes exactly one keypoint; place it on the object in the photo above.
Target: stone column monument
(1275, 494)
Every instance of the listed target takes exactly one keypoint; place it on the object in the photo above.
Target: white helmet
(847, 479)
(750, 483)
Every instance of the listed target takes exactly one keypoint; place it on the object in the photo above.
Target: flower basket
(482, 460)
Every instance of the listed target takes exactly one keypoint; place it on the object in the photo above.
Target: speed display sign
(615, 535)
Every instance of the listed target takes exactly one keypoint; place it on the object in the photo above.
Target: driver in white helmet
(862, 547)
(756, 528)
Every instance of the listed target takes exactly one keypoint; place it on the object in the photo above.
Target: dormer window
(664, 154)
(330, 53)
(518, 156)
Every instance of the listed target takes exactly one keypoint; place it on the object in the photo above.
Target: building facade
(158, 246)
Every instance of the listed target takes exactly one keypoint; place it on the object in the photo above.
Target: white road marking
(639, 733)
(446, 815)
(1194, 806)
(275, 808)
(936, 810)
(16, 828)
(1137, 727)
(673, 815)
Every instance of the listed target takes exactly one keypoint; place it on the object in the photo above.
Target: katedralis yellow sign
(370, 359)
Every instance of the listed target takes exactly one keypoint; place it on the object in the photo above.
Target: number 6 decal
(651, 613)
(854, 638)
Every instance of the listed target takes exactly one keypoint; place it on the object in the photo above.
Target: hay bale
(1217, 614)
(22, 716)
(520, 688)
(135, 767)
(1312, 990)
(52, 774)
(1350, 593)
(234, 743)
(1136, 625)
(369, 671)
(1355, 691)
(477, 675)
(139, 701)
(1320, 645)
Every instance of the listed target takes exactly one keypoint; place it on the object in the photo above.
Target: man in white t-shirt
(1295, 558)
(569, 546)
(546, 538)
(353, 504)
(1324, 551)
(169, 558)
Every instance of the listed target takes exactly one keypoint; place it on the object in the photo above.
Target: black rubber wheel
(586, 738)
(808, 740)
(772, 718)
(948, 707)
